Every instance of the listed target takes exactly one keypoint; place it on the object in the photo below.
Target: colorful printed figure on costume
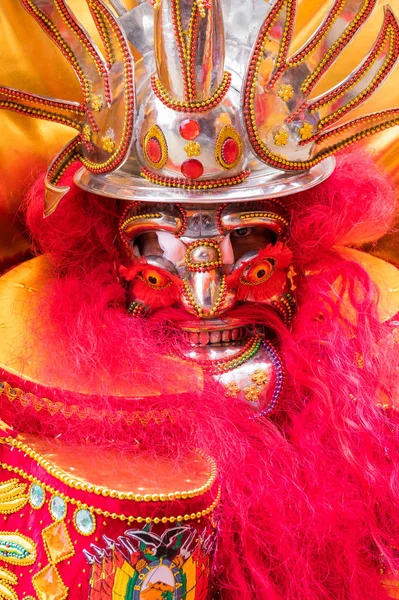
(141, 565)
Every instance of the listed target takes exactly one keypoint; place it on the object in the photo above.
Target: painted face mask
(215, 264)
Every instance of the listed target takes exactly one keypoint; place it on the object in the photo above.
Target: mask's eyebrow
(269, 216)
(141, 218)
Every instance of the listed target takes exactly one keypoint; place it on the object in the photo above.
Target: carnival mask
(213, 263)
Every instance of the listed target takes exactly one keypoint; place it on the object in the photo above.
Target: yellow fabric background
(30, 61)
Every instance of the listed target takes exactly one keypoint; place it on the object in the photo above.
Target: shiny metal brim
(264, 183)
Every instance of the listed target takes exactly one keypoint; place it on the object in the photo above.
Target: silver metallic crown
(217, 108)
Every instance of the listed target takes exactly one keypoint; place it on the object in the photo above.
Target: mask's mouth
(215, 337)
(214, 333)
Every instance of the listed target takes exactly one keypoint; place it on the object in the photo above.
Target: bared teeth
(215, 337)
(193, 337)
(235, 334)
(226, 335)
(204, 338)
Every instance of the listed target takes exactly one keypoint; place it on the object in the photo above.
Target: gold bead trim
(75, 29)
(66, 157)
(28, 399)
(106, 513)
(27, 544)
(344, 88)
(13, 496)
(120, 150)
(341, 42)
(316, 40)
(187, 293)
(252, 84)
(52, 30)
(225, 133)
(265, 215)
(157, 133)
(99, 490)
(105, 37)
(139, 217)
(39, 113)
(191, 184)
(191, 106)
(208, 265)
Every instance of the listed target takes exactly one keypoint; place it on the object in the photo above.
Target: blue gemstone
(85, 521)
(37, 495)
(58, 508)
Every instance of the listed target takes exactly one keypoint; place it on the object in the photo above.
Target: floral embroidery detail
(286, 92)
(252, 392)
(232, 390)
(306, 131)
(281, 138)
(193, 149)
(260, 377)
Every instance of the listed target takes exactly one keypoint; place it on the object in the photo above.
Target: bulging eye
(155, 279)
(258, 273)
(242, 232)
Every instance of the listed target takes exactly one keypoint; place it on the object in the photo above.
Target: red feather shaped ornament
(264, 276)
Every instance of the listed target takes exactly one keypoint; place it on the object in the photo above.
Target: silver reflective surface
(198, 249)
(263, 183)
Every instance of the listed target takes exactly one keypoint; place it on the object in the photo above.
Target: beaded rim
(99, 490)
(122, 517)
(68, 411)
(264, 183)
(193, 184)
(191, 106)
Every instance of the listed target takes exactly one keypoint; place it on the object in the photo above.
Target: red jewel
(192, 168)
(154, 150)
(230, 151)
(189, 129)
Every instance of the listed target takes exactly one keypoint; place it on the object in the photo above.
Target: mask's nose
(205, 293)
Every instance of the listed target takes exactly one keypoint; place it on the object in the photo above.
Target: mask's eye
(155, 279)
(258, 273)
(250, 239)
(262, 277)
(155, 287)
(242, 232)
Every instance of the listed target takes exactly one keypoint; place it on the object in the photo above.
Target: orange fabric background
(30, 61)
